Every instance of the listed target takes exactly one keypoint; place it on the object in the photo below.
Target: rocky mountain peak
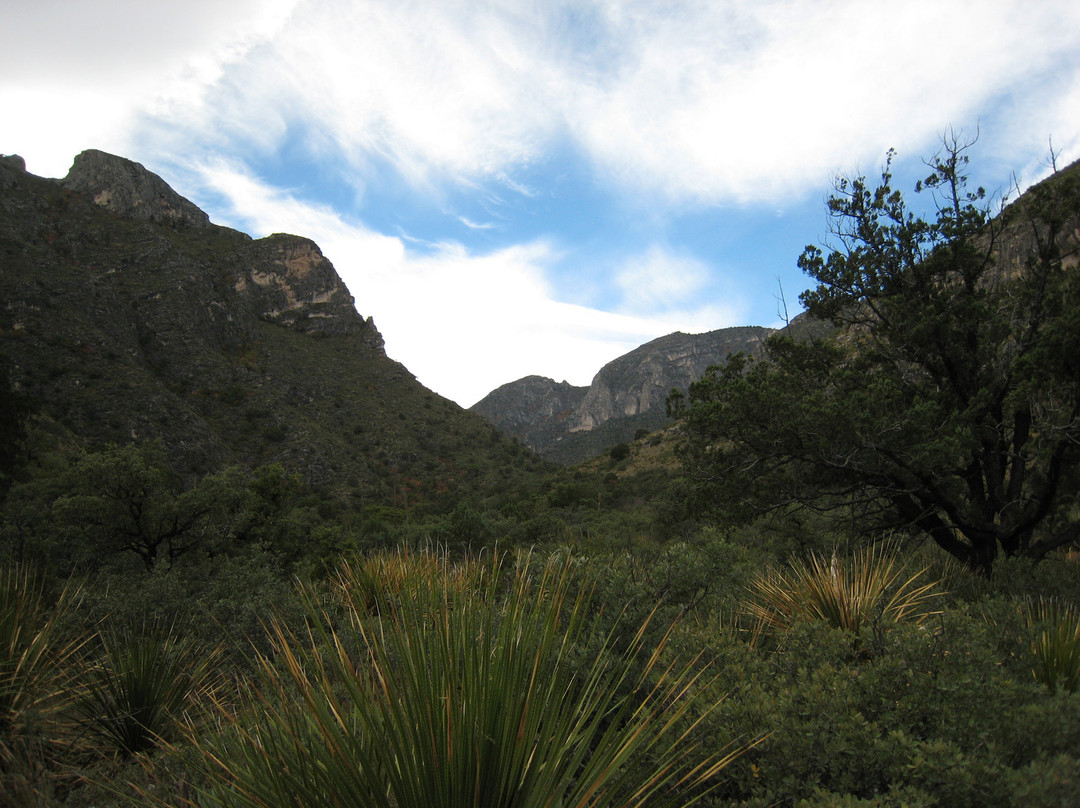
(640, 381)
(568, 424)
(287, 280)
(129, 189)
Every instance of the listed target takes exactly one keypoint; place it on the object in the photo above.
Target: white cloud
(659, 280)
(695, 101)
(77, 75)
(760, 99)
(464, 323)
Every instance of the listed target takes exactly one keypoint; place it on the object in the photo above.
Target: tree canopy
(945, 401)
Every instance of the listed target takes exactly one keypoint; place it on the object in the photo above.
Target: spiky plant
(35, 654)
(143, 683)
(367, 584)
(1057, 645)
(845, 593)
(452, 696)
(32, 650)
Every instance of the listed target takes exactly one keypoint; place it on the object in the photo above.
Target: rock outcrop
(126, 188)
(287, 280)
(567, 424)
(641, 380)
(535, 410)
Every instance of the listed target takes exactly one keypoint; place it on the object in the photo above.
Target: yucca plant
(1057, 646)
(144, 682)
(845, 593)
(367, 584)
(452, 696)
(33, 651)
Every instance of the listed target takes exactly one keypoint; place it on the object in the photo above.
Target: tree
(674, 403)
(125, 498)
(947, 399)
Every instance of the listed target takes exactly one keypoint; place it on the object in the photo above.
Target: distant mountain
(128, 316)
(567, 424)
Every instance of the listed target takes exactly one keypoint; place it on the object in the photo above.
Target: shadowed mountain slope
(128, 316)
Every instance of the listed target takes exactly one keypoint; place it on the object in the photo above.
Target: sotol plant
(1057, 646)
(145, 682)
(32, 650)
(35, 654)
(463, 695)
(846, 593)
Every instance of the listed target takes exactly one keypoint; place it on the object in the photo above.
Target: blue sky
(514, 188)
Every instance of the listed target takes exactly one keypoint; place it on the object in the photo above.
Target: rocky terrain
(127, 315)
(567, 424)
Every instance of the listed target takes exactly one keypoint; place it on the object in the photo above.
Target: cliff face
(287, 280)
(567, 424)
(127, 315)
(640, 381)
(535, 410)
(127, 189)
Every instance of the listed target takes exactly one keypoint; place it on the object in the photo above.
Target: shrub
(144, 682)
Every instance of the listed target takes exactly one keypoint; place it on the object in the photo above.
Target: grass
(501, 693)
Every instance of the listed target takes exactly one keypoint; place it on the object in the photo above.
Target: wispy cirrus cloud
(701, 103)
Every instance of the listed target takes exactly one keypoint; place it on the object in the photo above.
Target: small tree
(126, 499)
(947, 400)
(675, 403)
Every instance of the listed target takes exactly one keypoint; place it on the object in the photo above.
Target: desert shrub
(943, 713)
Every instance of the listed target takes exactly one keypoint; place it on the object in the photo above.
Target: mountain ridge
(130, 317)
(626, 395)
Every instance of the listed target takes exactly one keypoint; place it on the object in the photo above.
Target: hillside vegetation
(247, 561)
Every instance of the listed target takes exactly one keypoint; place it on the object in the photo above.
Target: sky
(519, 187)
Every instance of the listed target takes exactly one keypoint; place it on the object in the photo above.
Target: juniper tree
(945, 401)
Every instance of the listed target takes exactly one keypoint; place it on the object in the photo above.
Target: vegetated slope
(128, 316)
(568, 424)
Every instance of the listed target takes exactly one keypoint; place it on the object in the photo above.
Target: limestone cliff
(126, 188)
(567, 424)
(535, 410)
(641, 380)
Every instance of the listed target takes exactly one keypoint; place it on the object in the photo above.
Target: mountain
(128, 316)
(568, 424)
